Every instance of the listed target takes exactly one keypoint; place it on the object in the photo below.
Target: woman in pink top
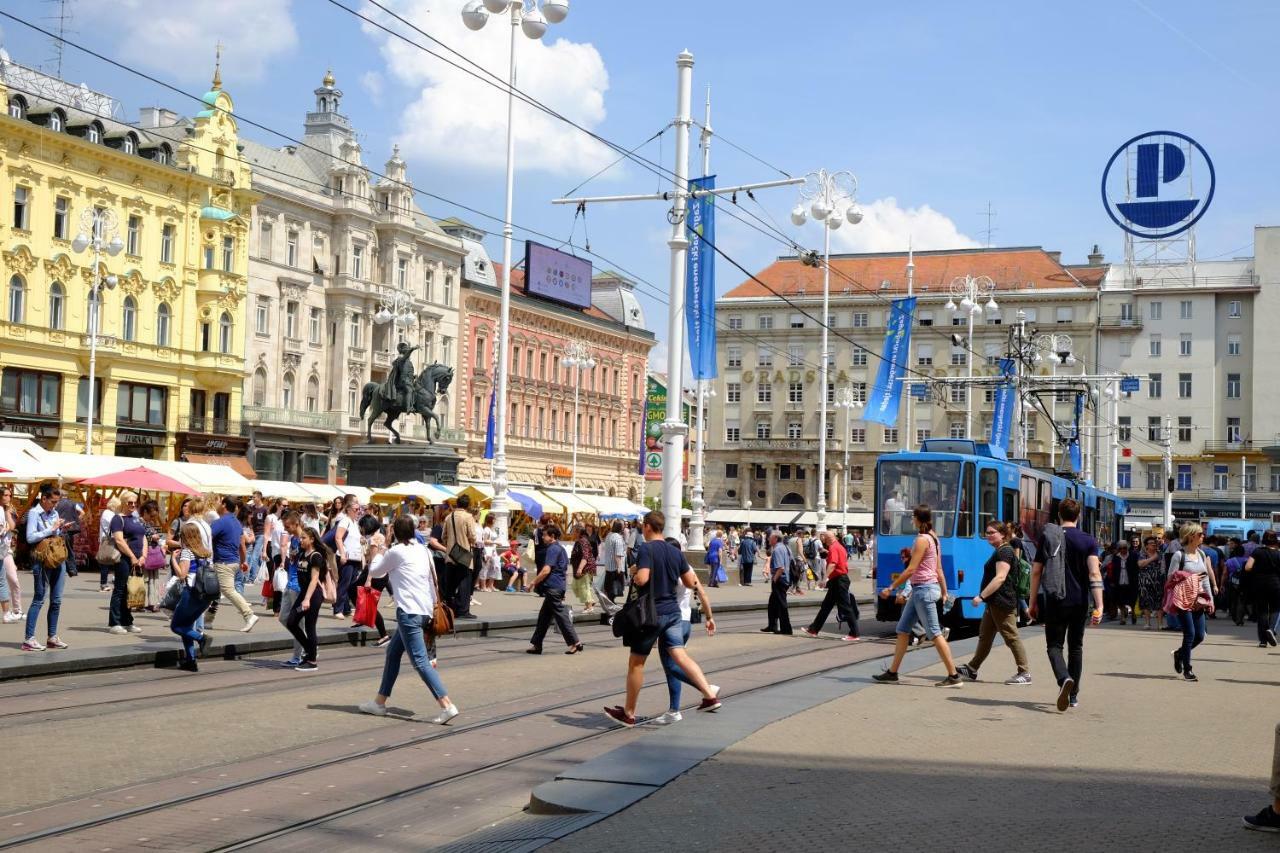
(928, 587)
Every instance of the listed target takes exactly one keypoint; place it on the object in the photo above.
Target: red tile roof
(1017, 268)
(517, 285)
(1090, 275)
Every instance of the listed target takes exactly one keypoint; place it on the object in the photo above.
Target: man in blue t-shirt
(660, 569)
(747, 549)
(229, 557)
(550, 584)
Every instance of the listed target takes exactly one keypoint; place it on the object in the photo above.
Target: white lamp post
(697, 522)
(845, 400)
(532, 21)
(971, 290)
(831, 198)
(99, 231)
(577, 357)
(399, 311)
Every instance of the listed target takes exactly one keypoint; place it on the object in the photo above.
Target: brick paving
(1147, 761)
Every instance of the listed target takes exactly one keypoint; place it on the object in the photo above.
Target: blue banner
(490, 427)
(882, 404)
(644, 432)
(700, 279)
(1006, 399)
(1073, 446)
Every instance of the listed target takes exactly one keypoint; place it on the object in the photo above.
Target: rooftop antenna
(60, 18)
(990, 213)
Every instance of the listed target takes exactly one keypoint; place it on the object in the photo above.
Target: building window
(1153, 344)
(17, 299)
(286, 391)
(859, 391)
(764, 356)
(765, 321)
(1220, 478)
(1064, 315)
(259, 388)
(353, 399)
(262, 316)
(764, 393)
(402, 273)
(1251, 478)
(17, 109)
(129, 319)
(291, 247)
(1234, 345)
(923, 434)
(291, 319)
(21, 207)
(732, 434)
(1184, 309)
(959, 356)
(133, 236)
(224, 333)
(1154, 385)
(208, 257)
(141, 404)
(784, 472)
(958, 320)
(448, 290)
(316, 323)
(797, 321)
(764, 430)
(1124, 476)
(924, 355)
(795, 429)
(1233, 430)
(1184, 344)
(735, 323)
(205, 337)
(1125, 427)
(795, 392)
(1275, 478)
(429, 286)
(354, 332)
(890, 435)
(1184, 478)
(959, 394)
(1234, 309)
(265, 237)
(56, 122)
(1156, 311)
(733, 356)
(731, 470)
(956, 429)
(1126, 347)
(228, 253)
(1233, 386)
(57, 305)
(82, 400)
(1184, 429)
(61, 217)
(446, 349)
(1154, 477)
(924, 318)
(357, 262)
(1184, 386)
(1153, 428)
(859, 319)
(831, 393)
(29, 392)
(795, 355)
(166, 244)
(858, 435)
(859, 357)
(93, 133)
(733, 392)
(313, 394)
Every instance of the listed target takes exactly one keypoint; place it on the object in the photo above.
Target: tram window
(964, 522)
(1047, 504)
(1034, 498)
(903, 485)
(988, 496)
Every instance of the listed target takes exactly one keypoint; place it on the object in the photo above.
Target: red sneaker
(618, 714)
(710, 704)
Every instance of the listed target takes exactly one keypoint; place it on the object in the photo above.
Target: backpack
(811, 549)
(206, 585)
(1022, 578)
(1054, 558)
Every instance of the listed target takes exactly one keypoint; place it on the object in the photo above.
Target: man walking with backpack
(1066, 577)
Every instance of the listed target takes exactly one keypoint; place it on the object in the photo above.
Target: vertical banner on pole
(489, 427)
(644, 444)
(1002, 416)
(1073, 446)
(882, 405)
(700, 279)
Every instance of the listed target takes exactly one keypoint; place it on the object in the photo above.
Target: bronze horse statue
(434, 380)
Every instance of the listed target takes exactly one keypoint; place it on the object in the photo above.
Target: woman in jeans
(1000, 596)
(408, 567)
(928, 587)
(293, 525)
(1186, 610)
(192, 605)
(130, 537)
(316, 564)
(1264, 586)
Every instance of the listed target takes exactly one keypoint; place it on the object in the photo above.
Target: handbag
(280, 580)
(457, 554)
(172, 594)
(137, 588)
(268, 589)
(638, 617)
(367, 606)
(108, 554)
(155, 560)
(441, 614)
(329, 588)
(50, 552)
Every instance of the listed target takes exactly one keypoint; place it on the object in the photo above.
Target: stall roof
(836, 518)
(772, 516)
(614, 507)
(571, 503)
(550, 506)
(281, 489)
(728, 516)
(429, 492)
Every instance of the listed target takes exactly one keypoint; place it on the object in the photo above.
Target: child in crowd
(513, 567)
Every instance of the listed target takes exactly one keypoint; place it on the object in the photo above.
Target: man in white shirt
(349, 553)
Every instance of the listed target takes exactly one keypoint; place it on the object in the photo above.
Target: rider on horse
(400, 379)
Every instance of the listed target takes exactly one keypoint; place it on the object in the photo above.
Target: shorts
(669, 635)
(922, 607)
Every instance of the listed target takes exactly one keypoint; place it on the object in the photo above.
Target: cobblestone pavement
(1146, 762)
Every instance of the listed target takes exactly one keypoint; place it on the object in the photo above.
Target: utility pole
(1243, 485)
(1168, 472)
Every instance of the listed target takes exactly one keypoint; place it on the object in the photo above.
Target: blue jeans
(255, 554)
(922, 607)
(1192, 624)
(186, 618)
(48, 582)
(4, 586)
(666, 635)
(410, 635)
(675, 674)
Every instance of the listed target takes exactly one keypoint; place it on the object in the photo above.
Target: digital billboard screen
(556, 275)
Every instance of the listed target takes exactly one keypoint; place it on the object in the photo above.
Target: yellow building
(170, 353)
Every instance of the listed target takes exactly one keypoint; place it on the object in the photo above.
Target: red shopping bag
(366, 606)
(267, 589)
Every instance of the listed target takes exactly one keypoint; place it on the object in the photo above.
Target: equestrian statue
(402, 393)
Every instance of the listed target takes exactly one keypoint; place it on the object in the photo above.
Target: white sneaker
(373, 708)
(249, 623)
(446, 715)
(134, 629)
(668, 718)
(117, 629)
(11, 617)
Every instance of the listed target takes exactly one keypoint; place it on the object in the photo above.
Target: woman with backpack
(1189, 595)
(316, 568)
(192, 562)
(928, 587)
(999, 593)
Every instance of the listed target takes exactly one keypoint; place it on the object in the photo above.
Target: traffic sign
(1129, 384)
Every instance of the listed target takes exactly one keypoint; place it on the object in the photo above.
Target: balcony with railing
(784, 443)
(224, 176)
(269, 416)
(210, 425)
(1120, 322)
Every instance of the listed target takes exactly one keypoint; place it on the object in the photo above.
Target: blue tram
(968, 483)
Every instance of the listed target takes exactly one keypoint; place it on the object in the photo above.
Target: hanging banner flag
(490, 427)
(1006, 398)
(644, 444)
(882, 404)
(1073, 446)
(700, 279)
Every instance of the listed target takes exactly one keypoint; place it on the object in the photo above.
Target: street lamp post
(971, 289)
(831, 198)
(697, 521)
(532, 21)
(845, 400)
(99, 231)
(577, 357)
(1058, 347)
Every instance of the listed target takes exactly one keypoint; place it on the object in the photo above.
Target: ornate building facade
(170, 348)
(333, 252)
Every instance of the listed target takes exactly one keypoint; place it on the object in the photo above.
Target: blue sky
(939, 108)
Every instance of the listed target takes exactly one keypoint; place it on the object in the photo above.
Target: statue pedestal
(376, 465)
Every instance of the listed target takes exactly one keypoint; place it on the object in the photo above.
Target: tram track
(437, 734)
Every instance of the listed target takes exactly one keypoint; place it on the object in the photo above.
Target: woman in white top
(104, 535)
(409, 567)
(490, 571)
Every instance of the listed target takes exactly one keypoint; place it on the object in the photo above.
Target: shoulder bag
(50, 551)
(638, 616)
(108, 554)
(442, 614)
(207, 584)
(458, 554)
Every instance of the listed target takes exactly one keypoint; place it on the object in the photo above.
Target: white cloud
(372, 83)
(179, 39)
(458, 120)
(886, 227)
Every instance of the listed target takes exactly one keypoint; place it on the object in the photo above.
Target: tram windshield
(905, 484)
